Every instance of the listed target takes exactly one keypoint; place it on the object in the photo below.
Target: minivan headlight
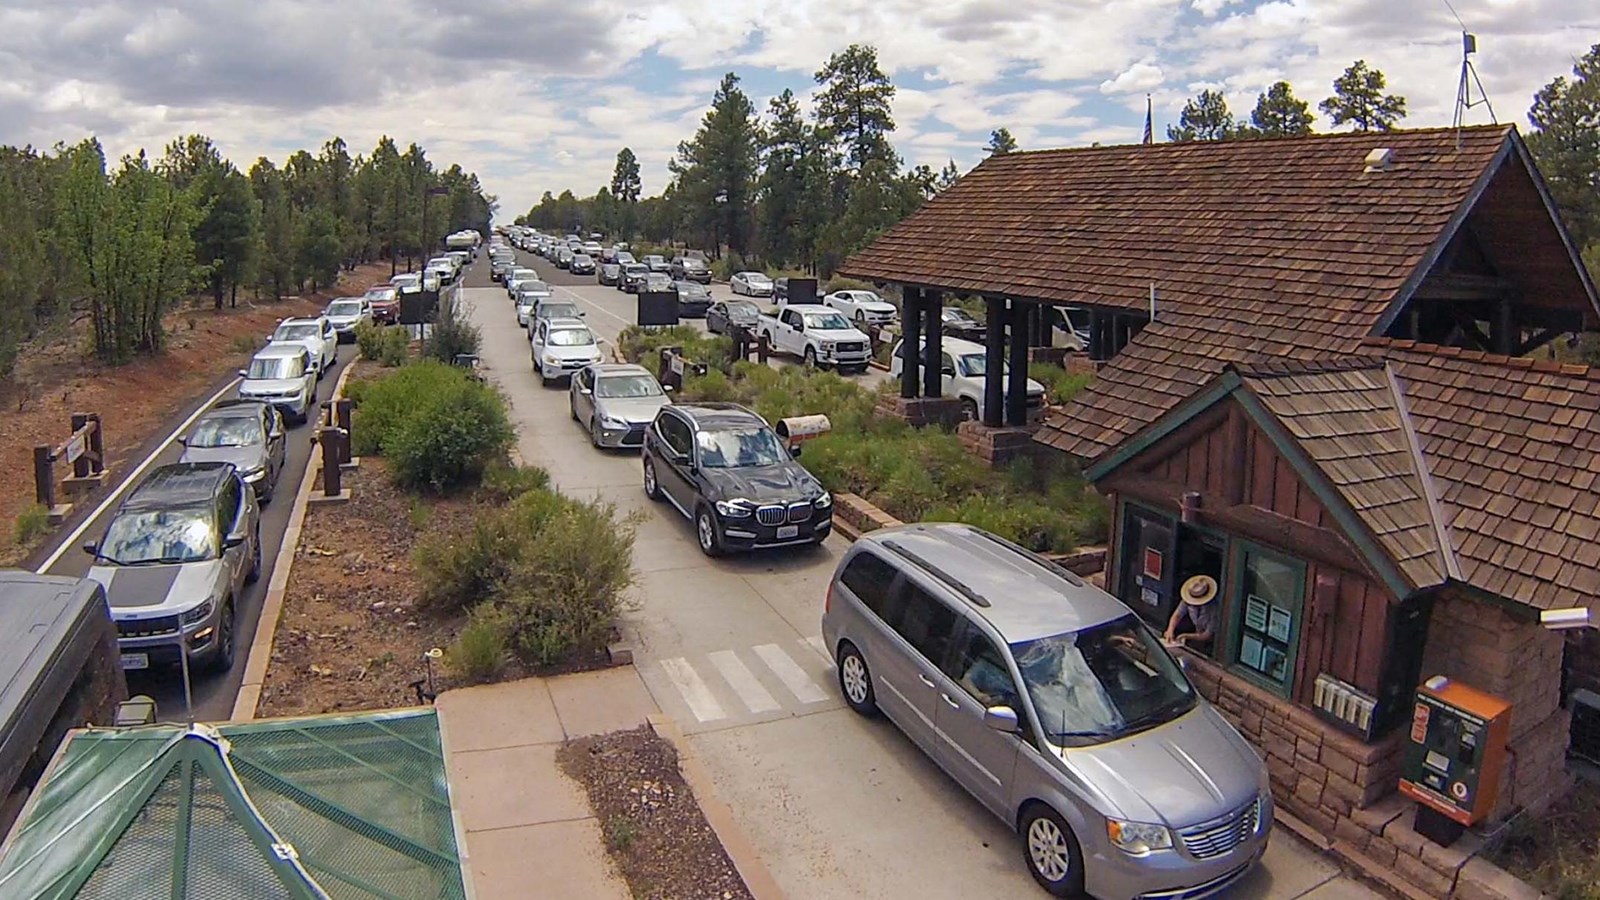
(1138, 838)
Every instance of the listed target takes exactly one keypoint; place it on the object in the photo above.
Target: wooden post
(763, 348)
(932, 358)
(97, 445)
(911, 344)
(994, 362)
(44, 477)
(330, 439)
(1017, 377)
(80, 466)
(341, 417)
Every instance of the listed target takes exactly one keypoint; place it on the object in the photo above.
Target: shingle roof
(1348, 417)
(1513, 446)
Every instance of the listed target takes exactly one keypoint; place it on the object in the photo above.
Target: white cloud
(1137, 78)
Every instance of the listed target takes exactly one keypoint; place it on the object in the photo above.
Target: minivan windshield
(1102, 683)
(274, 368)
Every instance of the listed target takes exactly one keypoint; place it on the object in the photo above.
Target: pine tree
(1000, 141)
(1566, 143)
(853, 106)
(716, 170)
(625, 187)
(1358, 99)
(1279, 113)
(1204, 118)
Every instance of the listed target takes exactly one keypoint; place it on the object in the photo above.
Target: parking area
(837, 805)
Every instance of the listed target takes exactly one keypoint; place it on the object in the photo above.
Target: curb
(255, 671)
(718, 815)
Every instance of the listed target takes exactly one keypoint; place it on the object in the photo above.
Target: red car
(385, 303)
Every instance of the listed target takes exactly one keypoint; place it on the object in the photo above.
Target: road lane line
(789, 672)
(743, 681)
(693, 689)
(72, 539)
(582, 299)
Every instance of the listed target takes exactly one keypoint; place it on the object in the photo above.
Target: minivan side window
(925, 622)
(980, 670)
(870, 579)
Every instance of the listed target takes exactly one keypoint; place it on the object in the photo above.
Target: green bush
(451, 335)
(481, 651)
(1059, 384)
(441, 428)
(32, 523)
(503, 482)
(369, 339)
(458, 570)
(638, 345)
(396, 346)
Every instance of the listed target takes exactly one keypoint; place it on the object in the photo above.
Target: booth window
(1269, 596)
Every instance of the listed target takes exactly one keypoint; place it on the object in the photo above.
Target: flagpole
(1149, 121)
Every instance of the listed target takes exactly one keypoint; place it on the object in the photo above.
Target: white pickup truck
(816, 334)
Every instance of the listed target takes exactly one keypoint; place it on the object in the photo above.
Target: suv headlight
(253, 474)
(199, 613)
(1138, 838)
(735, 509)
(823, 502)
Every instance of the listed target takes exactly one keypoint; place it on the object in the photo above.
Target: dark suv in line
(726, 470)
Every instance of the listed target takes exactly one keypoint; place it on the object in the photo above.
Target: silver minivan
(1054, 706)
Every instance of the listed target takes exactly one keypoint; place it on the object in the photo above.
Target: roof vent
(1380, 160)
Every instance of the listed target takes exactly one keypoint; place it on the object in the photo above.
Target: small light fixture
(1568, 619)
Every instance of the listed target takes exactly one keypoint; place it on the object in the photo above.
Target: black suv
(689, 268)
(725, 468)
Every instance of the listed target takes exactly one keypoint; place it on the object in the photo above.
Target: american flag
(1149, 124)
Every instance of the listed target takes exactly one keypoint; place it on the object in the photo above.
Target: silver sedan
(616, 403)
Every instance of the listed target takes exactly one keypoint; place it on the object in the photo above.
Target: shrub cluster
(386, 345)
(440, 428)
(542, 578)
(642, 346)
(1059, 384)
(451, 334)
(915, 475)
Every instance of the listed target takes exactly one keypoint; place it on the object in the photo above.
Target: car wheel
(1051, 851)
(254, 575)
(811, 357)
(861, 321)
(705, 533)
(223, 660)
(969, 410)
(855, 681)
(652, 488)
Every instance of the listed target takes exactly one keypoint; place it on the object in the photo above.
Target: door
(673, 468)
(793, 337)
(583, 396)
(330, 342)
(1147, 564)
(910, 672)
(974, 678)
(233, 522)
(272, 421)
(947, 376)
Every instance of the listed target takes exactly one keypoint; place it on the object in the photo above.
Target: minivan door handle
(925, 679)
(952, 703)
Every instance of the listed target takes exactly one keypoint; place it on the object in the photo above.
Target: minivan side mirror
(1002, 718)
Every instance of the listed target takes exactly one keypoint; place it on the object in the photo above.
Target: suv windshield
(558, 311)
(226, 431)
(739, 448)
(345, 308)
(272, 368)
(976, 364)
(297, 333)
(627, 386)
(1102, 683)
(570, 337)
(170, 536)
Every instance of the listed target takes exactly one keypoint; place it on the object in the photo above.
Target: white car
(529, 295)
(515, 277)
(281, 375)
(964, 364)
(316, 334)
(407, 282)
(862, 307)
(562, 347)
(752, 284)
(346, 313)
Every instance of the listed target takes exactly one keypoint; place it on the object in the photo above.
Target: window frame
(902, 602)
(1233, 616)
(890, 593)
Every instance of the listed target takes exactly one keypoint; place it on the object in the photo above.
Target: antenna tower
(1469, 78)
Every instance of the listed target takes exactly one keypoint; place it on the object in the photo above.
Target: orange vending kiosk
(1453, 760)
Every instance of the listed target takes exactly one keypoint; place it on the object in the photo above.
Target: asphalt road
(838, 806)
(213, 693)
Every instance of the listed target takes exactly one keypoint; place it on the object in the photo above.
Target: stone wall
(999, 446)
(1512, 657)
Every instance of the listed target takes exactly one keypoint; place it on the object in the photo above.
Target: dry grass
(1559, 852)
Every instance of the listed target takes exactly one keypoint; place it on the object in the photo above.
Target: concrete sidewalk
(528, 829)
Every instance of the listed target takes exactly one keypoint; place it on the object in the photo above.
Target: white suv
(316, 334)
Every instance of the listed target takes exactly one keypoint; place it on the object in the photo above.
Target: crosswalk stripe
(692, 688)
(789, 672)
(743, 681)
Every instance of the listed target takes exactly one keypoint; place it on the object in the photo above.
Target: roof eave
(1573, 253)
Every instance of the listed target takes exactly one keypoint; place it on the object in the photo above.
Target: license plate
(136, 660)
(788, 531)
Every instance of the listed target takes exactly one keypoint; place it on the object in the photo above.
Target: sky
(539, 95)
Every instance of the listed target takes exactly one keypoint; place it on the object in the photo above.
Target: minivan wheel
(1051, 851)
(855, 681)
(705, 532)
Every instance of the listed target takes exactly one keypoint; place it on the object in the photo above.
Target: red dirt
(56, 378)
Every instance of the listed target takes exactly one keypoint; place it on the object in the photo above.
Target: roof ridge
(1279, 367)
(1189, 146)
(1552, 366)
(1419, 462)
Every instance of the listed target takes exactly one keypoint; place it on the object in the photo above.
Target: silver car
(529, 295)
(174, 562)
(248, 434)
(616, 403)
(561, 347)
(284, 376)
(1055, 706)
(345, 314)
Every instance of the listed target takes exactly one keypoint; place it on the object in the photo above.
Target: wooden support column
(911, 345)
(994, 358)
(1017, 377)
(1506, 336)
(932, 336)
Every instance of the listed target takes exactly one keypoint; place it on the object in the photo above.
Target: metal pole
(188, 684)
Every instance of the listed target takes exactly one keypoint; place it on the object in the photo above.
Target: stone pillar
(932, 333)
(911, 341)
(1017, 377)
(994, 357)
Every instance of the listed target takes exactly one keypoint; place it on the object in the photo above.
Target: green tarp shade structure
(328, 807)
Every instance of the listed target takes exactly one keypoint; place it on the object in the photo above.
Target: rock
(320, 670)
